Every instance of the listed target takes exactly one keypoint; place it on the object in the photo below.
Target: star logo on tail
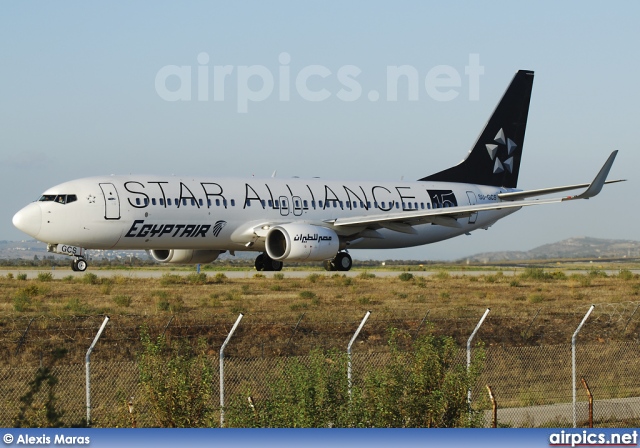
(501, 165)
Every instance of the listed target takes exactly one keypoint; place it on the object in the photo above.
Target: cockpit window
(59, 198)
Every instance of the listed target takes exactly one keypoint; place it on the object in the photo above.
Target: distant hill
(580, 247)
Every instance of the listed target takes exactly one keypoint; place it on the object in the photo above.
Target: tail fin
(495, 157)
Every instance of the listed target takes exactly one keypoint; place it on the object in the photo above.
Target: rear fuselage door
(111, 201)
(472, 201)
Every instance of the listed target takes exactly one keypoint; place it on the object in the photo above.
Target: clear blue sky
(79, 98)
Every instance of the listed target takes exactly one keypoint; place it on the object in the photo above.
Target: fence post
(226, 341)
(573, 362)
(590, 395)
(87, 363)
(494, 406)
(473, 335)
(366, 316)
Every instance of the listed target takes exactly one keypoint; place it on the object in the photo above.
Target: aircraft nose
(29, 219)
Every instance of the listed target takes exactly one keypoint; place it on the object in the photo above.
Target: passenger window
(146, 201)
(305, 204)
(169, 201)
(277, 204)
(137, 201)
(233, 202)
(161, 201)
(217, 202)
(247, 203)
(153, 201)
(270, 202)
(397, 205)
(383, 205)
(319, 204)
(368, 204)
(200, 202)
(208, 202)
(263, 203)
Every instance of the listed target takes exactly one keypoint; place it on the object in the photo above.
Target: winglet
(596, 186)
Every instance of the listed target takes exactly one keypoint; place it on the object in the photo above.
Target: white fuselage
(152, 212)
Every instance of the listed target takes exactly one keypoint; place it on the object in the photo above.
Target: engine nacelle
(300, 242)
(184, 256)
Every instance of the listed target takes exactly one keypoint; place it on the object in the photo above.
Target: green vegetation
(176, 383)
(420, 386)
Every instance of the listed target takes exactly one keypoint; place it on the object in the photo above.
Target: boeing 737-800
(194, 220)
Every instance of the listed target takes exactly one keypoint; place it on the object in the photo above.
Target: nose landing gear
(79, 264)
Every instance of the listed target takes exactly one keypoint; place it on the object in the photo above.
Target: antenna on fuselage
(274, 173)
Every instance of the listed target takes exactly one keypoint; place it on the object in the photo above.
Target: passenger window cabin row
(297, 204)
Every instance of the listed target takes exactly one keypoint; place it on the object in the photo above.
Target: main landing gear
(79, 264)
(341, 262)
(266, 263)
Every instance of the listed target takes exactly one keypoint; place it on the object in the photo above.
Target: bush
(77, 306)
(163, 304)
(219, 278)
(178, 388)
(171, 279)
(22, 277)
(122, 300)
(307, 294)
(422, 386)
(625, 274)
(90, 278)
(535, 274)
(45, 276)
(278, 276)
(197, 279)
(536, 298)
(313, 278)
(21, 302)
(405, 276)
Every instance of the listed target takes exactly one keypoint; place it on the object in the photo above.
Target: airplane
(195, 219)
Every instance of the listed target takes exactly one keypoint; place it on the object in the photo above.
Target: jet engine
(300, 242)
(184, 256)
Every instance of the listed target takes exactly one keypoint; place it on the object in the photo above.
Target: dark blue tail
(495, 157)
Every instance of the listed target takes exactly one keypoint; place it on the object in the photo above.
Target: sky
(247, 88)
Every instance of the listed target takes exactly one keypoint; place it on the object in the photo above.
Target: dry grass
(530, 308)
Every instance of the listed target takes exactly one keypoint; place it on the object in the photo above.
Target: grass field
(531, 306)
(534, 312)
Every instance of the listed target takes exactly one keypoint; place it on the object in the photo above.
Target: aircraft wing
(403, 221)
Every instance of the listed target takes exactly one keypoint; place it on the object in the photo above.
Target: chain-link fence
(532, 386)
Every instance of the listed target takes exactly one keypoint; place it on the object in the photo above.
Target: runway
(61, 273)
